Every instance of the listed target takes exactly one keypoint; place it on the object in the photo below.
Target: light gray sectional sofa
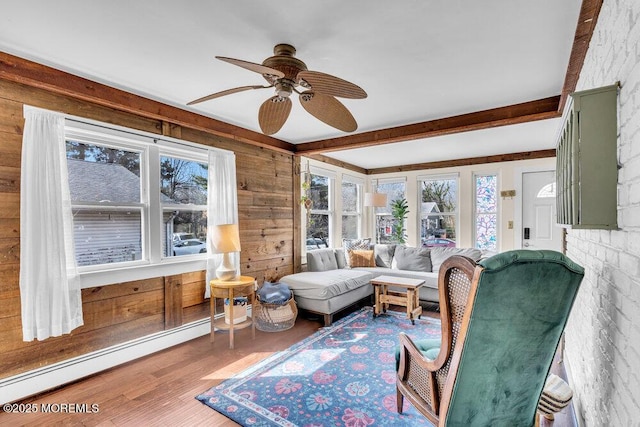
(330, 285)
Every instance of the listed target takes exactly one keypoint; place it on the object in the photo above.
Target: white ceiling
(418, 60)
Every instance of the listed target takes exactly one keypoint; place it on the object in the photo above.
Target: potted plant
(399, 211)
(305, 200)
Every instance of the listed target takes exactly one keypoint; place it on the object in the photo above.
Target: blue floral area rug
(342, 375)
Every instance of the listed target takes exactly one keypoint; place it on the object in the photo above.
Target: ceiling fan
(286, 73)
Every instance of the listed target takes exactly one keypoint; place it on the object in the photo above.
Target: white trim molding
(42, 379)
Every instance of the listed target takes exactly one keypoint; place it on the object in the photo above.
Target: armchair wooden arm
(421, 379)
(416, 379)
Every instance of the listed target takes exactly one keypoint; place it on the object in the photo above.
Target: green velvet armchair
(502, 320)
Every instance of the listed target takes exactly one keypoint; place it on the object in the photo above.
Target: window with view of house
(319, 214)
(486, 212)
(385, 221)
(109, 203)
(351, 207)
(438, 210)
(134, 201)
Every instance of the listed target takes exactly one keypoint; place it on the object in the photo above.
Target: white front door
(539, 229)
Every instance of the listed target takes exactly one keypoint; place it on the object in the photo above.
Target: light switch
(510, 225)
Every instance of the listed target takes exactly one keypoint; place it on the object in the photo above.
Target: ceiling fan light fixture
(284, 88)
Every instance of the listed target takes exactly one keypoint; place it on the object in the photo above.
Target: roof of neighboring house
(429, 208)
(103, 182)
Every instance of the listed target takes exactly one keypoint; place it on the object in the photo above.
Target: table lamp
(225, 239)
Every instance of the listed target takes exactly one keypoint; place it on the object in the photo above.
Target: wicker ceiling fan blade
(252, 66)
(226, 92)
(331, 85)
(273, 113)
(328, 110)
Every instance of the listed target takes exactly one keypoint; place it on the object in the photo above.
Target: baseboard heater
(51, 376)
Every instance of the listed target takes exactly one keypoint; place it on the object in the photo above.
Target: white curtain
(49, 281)
(222, 205)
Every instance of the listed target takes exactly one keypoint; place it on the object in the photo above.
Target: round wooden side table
(242, 286)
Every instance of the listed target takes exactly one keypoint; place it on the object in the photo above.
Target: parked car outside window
(427, 243)
(187, 244)
(316, 243)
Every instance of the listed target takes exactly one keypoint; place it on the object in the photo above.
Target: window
(351, 208)
(385, 222)
(438, 210)
(319, 215)
(486, 212)
(134, 200)
(548, 190)
(108, 202)
(183, 187)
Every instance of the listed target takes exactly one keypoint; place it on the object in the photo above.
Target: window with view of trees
(438, 211)
(319, 215)
(183, 187)
(115, 200)
(386, 223)
(486, 215)
(351, 214)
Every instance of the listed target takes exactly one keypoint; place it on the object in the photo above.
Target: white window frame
(376, 186)
(330, 212)
(153, 263)
(166, 150)
(359, 183)
(455, 214)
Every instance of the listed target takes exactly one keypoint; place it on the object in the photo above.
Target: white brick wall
(603, 334)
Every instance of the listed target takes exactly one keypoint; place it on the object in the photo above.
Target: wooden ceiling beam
(336, 162)
(513, 114)
(19, 70)
(587, 20)
(527, 155)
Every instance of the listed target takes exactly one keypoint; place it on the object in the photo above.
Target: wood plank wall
(120, 312)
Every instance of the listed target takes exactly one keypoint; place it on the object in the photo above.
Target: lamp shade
(377, 200)
(225, 238)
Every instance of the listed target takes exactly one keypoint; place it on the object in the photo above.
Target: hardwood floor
(160, 389)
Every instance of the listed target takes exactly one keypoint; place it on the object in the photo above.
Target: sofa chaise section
(327, 292)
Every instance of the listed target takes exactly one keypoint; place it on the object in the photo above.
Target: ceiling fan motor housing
(285, 62)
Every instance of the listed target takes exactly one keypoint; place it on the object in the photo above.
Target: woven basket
(275, 317)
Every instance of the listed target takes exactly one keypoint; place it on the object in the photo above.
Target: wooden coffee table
(407, 298)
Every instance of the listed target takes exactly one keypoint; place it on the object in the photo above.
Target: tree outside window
(438, 211)
(351, 215)
(183, 188)
(386, 223)
(107, 203)
(318, 224)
